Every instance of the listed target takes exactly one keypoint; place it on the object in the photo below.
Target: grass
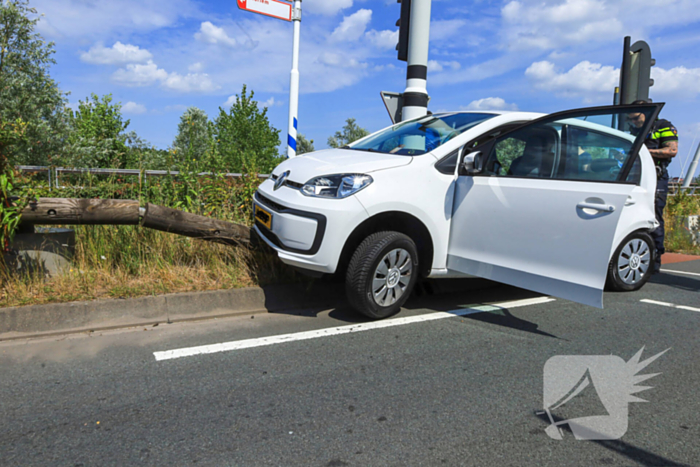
(126, 261)
(678, 238)
(130, 261)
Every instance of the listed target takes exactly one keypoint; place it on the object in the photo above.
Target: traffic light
(635, 74)
(404, 24)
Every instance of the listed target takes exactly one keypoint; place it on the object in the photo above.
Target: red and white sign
(274, 8)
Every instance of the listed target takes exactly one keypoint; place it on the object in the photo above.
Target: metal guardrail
(53, 173)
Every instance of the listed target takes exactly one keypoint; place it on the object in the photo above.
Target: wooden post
(192, 225)
(68, 211)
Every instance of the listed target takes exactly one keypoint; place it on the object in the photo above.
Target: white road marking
(300, 336)
(680, 272)
(671, 305)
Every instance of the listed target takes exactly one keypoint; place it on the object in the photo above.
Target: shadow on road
(638, 455)
(449, 295)
(677, 281)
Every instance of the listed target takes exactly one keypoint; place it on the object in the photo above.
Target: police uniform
(661, 132)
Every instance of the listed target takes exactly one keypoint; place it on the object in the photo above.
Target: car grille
(269, 203)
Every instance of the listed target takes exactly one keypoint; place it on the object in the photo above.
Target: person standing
(662, 143)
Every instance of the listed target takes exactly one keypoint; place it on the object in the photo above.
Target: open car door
(537, 207)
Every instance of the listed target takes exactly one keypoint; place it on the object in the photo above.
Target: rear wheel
(382, 274)
(632, 264)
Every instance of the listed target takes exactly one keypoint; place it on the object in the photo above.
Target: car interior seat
(538, 157)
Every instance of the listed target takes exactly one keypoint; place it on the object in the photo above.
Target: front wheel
(381, 274)
(632, 263)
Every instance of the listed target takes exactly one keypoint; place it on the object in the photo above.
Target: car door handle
(630, 202)
(597, 207)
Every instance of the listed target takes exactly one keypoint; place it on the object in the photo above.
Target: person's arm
(668, 150)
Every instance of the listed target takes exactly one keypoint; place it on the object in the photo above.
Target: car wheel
(632, 264)
(381, 274)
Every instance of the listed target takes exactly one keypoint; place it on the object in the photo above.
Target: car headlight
(336, 186)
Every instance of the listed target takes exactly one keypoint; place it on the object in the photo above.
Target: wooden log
(69, 211)
(192, 225)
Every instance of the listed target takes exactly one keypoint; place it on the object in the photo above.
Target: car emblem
(281, 179)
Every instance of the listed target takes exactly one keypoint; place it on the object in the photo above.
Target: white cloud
(383, 39)
(555, 24)
(195, 67)
(191, 82)
(587, 77)
(490, 103)
(679, 80)
(352, 27)
(443, 29)
(214, 35)
(134, 108)
(340, 61)
(271, 102)
(81, 19)
(149, 74)
(118, 54)
(436, 66)
(139, 75)
(326, 7)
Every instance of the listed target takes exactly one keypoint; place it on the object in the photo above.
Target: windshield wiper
(363, 149)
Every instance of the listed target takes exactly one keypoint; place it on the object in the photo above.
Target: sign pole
(294, 83)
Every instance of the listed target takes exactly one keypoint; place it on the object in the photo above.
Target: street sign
(273, 8)
(394, 105)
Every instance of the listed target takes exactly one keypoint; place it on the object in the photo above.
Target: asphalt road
(426, 389)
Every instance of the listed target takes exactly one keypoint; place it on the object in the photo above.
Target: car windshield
(419, 136)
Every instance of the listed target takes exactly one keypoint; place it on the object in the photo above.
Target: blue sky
(159, 57)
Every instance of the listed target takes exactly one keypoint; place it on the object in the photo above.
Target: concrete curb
(76, 317)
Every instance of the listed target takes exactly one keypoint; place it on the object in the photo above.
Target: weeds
(679, 238)
(129, 261)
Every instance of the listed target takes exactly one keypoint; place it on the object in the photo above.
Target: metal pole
(691, 170)
(625, 97)
(415, 98)
(294, 83)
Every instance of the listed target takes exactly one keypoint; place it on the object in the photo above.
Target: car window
(420, 136)
(594, 146)
(531, 152)
(448, 164)
(594, 155)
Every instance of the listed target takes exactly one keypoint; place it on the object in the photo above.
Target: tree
(245, 138)
(351, 132)
(97, 136)
(27, 92)
(193, 135)
(304, 145)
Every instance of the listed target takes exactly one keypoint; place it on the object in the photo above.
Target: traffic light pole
(294, 83)
(415, 97)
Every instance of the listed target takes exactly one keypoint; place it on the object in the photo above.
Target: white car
(560, 204)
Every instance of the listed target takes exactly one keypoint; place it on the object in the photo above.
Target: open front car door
(538, 207)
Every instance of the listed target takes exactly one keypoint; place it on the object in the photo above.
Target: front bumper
(308, 233)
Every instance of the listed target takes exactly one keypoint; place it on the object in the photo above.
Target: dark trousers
(659, 205)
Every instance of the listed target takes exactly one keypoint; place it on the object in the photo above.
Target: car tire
(381, 274)
(632, 264)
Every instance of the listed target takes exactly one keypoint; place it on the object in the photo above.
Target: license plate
(263, 216)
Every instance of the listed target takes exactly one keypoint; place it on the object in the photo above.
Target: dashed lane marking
(680, 272)
(671, 305)
(300, 336)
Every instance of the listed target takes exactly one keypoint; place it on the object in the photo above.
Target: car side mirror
(472, 162)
